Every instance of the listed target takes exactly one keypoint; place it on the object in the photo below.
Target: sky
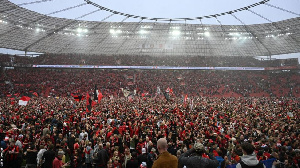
(168, 9)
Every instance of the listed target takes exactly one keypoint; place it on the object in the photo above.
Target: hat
(60, 153)
(153, 150)
(143, 150)
(198, 146)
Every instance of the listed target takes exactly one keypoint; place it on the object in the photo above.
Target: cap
(198, 146)
(143, 150)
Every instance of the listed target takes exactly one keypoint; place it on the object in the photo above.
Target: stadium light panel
(143, 32)
(112, 31)
(79, 30)
(206, 33)
(176, 32)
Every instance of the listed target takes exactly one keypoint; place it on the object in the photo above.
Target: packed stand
(136, 60)
(61, 83)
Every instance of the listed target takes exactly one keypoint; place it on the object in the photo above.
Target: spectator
(31, 155)
(48, 157)
(193, 158)
(40, 155)
(165, 159)
(88, 152)
(102, 157)
(133, 162)
(143, 157)
(11, 155)
(57, 162)
(127, 156)
(249, 158)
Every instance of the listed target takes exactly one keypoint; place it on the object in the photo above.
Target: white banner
(23, 103)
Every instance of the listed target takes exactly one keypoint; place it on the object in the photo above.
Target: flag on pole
(158, 90)
(35, 94)
(97, 95)
(167, 96)
(192, 104)
(171, 91)
(77, 98)
(88, 103)
(185, 98)
(24, 100)
(126, 92)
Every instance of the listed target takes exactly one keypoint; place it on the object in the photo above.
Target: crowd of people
(191, 82)
(118, 132)
(136, 60)
(170, 115)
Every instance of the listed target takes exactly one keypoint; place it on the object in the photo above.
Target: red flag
(34, 93)
(171, 91)
(100, 97)
(88, 103)
(185, 98)
(93, 103)
(25, 98)
(87, 99)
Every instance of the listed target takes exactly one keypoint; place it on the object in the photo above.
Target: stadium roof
(26, 30)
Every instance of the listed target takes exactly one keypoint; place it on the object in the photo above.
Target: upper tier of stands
(134, 60)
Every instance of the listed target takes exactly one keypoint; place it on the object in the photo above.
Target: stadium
(125, 88)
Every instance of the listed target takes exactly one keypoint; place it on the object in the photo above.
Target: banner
(167, 46)
(151, 67)
(23, 103)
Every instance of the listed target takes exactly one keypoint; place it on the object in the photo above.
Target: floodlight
(176, 32)
(79, 30)
(143, 32)
(112, 31)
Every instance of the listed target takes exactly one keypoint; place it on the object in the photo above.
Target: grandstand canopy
(138, 34)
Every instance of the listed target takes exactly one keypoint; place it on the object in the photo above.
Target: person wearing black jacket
(193, 158)
(48, 156)
(31, 155)
(102, 157)
(133, 162)
(143, 157)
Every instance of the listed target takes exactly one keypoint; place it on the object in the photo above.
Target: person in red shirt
(57, 162)
(76, 144)
(11, 154)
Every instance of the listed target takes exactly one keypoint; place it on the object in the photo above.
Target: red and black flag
(77, 98)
